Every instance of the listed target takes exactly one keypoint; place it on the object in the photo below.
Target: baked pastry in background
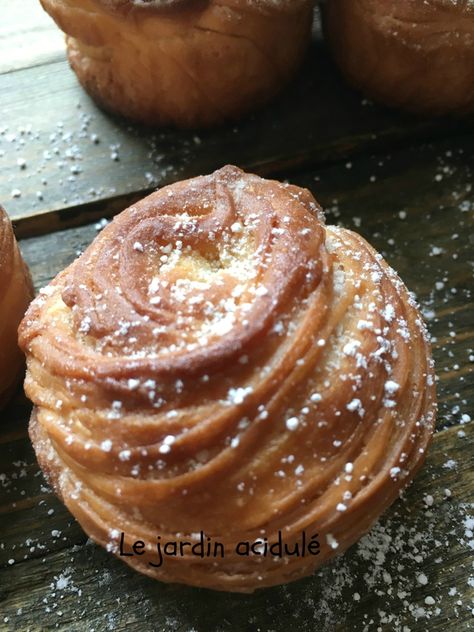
(406, 53)
(183, 62)
(16, 291)
(220, 360)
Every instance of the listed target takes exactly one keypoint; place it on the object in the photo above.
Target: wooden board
(28, 36)
(406, 185)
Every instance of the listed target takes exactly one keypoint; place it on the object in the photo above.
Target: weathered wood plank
(46, 222)
(28, 36)
(64, 153)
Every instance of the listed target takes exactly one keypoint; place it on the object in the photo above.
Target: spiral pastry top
(16, 291)
(405, 53)
(219, 360)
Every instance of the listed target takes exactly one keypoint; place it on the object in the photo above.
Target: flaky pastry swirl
(183, 62)
(16, 291)
(220, 360)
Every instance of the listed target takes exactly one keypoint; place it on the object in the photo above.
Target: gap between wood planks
(299, 130)
(45, 221)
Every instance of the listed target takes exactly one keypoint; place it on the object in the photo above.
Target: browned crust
(16, 291)
(6, 250)
(405, 53)
(190, 64)
(170, 7)
(316, 305)
(131, 9)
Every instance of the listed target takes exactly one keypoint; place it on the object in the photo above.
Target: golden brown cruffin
(220, 360)
(183, 62)
(412, 54)
(16, 291)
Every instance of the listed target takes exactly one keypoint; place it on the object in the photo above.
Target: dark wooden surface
(404, 183)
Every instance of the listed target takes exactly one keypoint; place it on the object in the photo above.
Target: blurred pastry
(221, 361)
(183, 62)
(406, 53)
(16, 291)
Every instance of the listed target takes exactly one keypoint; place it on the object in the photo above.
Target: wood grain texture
(28, 36)
(65, 155)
